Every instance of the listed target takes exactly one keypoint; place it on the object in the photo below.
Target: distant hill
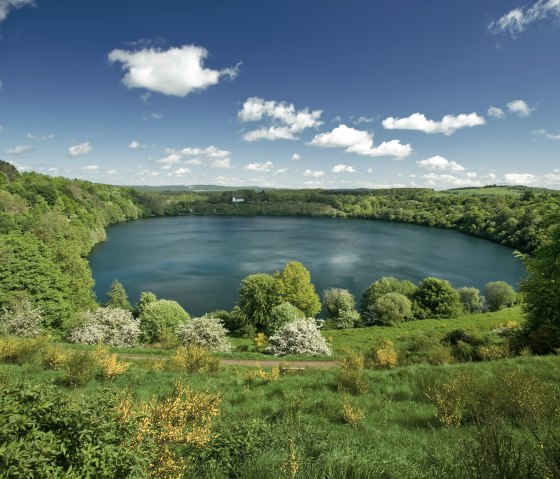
(180, 188)
(497, 190)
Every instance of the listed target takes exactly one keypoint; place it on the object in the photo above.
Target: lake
(199, 261)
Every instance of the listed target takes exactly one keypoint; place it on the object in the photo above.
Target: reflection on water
(200, 261)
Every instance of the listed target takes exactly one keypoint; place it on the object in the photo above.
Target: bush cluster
(298, 337)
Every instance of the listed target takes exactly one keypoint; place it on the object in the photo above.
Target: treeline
(512, 218)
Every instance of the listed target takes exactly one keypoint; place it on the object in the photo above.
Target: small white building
(237, 200)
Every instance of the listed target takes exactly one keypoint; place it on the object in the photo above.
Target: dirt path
(244, 362)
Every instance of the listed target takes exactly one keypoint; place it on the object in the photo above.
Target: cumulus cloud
(176, 72)
(296, 157)
(360, 142)
(439, 163)
(19, 150)
(7, 5)
(496, 112)
(210, 156)
(546, 134)
(519, 107)
(182, 171)
(91, 167)
(448, 125)
(314, 174)
(446, 180)
(343, 169)
(29, 136)
(519, 178)
(285, 122)
(133, 145)
(80, 150)
(517, 20)
(260, 166)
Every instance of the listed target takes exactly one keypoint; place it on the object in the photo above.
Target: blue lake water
(199, 261)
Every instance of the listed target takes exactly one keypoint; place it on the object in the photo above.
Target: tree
(436, 298)
(471, 300)
(387, 284)
(541, 288)
(340, 306)
(117, 297)
(293, 285)
(146, 298)
(161, 319)
(298, 337)
(257, 296)
(280, 315)
(392, 308)
(498, 295)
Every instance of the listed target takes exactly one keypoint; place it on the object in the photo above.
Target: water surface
(199, 261)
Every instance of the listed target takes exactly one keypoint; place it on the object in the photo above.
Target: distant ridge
(197, 188)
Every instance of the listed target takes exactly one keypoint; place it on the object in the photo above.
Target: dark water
(200, 260)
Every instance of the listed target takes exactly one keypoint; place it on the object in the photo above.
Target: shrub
(340, 306)
(79, 369)
(392, 308)
(161, 317)
(111, 326)
(21, 318)
(261, 341)
(499, 294)
(380, 287)
(298, 337)
(280, 315)
(108, 363)
(351, 413)
(54, 357)
(22, 350)
(206, 332)
(350, 376)
(490, 352)
(259, 375)
(193, 359)
(383, 356)
(471, 300)
(436, 298)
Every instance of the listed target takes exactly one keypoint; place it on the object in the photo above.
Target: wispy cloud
(29, 136)
(285, 122)
(210, 156)
(7, 5)
(313, 174)
(517, 20)
(360, 142)
(91, 167)
(80, 150)
(176, 72)
(448, 125)
(546, 134)
(19, 150)
(496, 112)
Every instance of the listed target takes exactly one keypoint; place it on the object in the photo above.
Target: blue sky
(295, 94)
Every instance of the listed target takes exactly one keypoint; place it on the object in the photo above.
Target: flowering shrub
(298, 337)
(110, 366)
(383, 356)
(193, 358)
(259, 375)
(207, 332)
(111, 326)
(21, 319)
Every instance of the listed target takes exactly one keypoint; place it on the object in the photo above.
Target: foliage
(79, 369)
(498, 295)
(383, 356)
(161, 317)
(21, 318)
(351, 377)
(471, 300)
(109, 365)
(340, 305)
(392, 308)
(111, 326)
(351, 413)
(541, 287)
(261, 341)
(280, 315)
(193, 358)
(298, 337)
(258, 375)
(293, 285)
(145, 298)
(117, 298)
(436, 298)
(206, 332)
(257, 296)
(375, 290)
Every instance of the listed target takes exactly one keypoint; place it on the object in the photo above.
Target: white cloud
(29, 136)
(155, 116)
(370, 170)
(286, 121)
(448, 181)
(314, 174)
(517, 20)
(80, 150)
(260, 166)
(519, 107)
(439, 163)
(177, 71)
(359, 142)
(448, 124)
(182, 171)
(280, 171)
(519, 178)
(496, 112)
(363, 119)
(343, 169)
(133, 145)
(91, 167)
(7, 5)
(296, 157)
(19, 150)
(112, 172)
(546, 134)
(210, 156)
